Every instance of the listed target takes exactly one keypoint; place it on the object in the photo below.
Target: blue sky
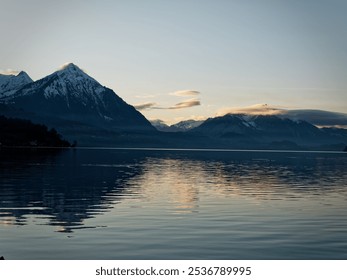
(188, 59)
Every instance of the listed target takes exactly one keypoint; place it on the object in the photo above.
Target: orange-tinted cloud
(186, 104)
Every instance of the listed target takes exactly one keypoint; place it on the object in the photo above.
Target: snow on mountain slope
(160, 125)
(70, 80)
(262, 128)
(181, 126)
(9, 84)
(71, 94)
(186, 125)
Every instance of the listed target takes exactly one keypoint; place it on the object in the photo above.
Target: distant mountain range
(181, 126)
(242, 131)
(82, 109)
(271, 130)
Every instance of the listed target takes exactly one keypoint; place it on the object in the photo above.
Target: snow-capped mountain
(181, 126)
(186, 125)
(228, 125)
(71, 95)
(9, 84)
(160, 125)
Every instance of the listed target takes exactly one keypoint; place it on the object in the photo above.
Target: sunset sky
(176, 60)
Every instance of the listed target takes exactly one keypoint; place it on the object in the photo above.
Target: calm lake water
(162, 204)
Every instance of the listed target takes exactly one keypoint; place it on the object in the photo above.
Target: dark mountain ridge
(81, 109)
(268, 129)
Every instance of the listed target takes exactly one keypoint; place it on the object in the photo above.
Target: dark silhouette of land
(18, 132)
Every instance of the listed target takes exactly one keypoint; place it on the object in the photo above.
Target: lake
(172, 204)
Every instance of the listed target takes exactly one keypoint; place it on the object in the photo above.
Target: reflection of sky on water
(299, 182)
(67, 188)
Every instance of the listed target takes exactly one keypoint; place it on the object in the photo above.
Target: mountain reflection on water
(172, 204)
(64, 188)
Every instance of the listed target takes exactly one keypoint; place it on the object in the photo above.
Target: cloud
(316, 117)
(257, 109)
(185, 93)
(146, 106)
(9, 72)
(182, 105)
(67, 64)
(186, 104)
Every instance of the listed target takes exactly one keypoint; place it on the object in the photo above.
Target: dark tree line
(19, 132)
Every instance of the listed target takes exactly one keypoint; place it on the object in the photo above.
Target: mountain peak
(70, 67)
(69, 94)
(10, 83)
(24, 76)
(21, 73)
(72, 72)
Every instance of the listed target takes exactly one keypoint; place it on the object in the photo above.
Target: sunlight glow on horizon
(226, 54)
